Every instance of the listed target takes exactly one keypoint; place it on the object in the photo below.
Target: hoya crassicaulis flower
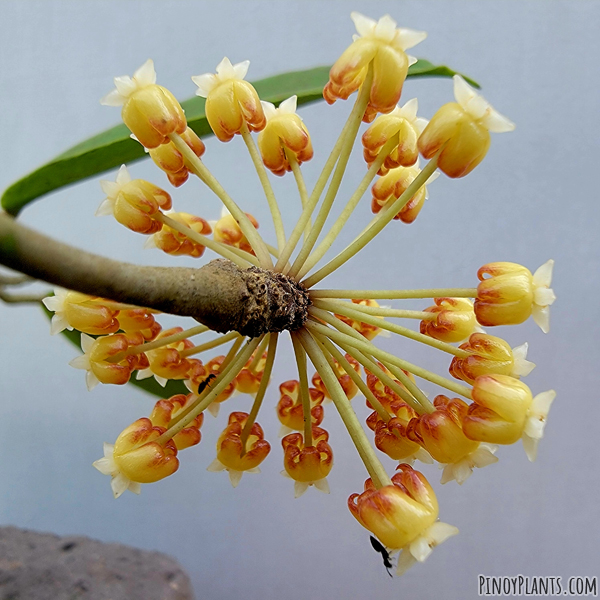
(137, 458)
(73, 310)
(283, 132)
(133, 202)
(383, 45)
(230, 101)
(490, 355)
(454, 321)
(229, 449)
(149, 110)
(307, 465)
(289, 408)
(509, 294)
(171, 161)
(176, 243)
(97, 351)
(402, 121)
(402, 516)
(441, 434)
(461, 130)
(503, 411)
(393, 184)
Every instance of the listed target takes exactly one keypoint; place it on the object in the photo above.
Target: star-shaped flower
(119, 482)
(56, 304)
(536, 422)
(126, 86)
(225, 71)
(463, 469)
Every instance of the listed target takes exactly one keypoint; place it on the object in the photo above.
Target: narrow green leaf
(113, 147)
(150, 385)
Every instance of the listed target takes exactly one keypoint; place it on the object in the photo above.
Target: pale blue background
(533, 198)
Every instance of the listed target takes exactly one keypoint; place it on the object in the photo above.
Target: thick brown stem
(220, 294)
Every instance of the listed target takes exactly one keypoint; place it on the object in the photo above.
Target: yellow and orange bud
(402, 121)
(230, 455)
(87, 314)
(149, 110)
(230, 101)
(227, 231)
(199, 373)
(137, 319)
(171, 161)
(460, 131)
(249, 378)
(382, 392)
(345, 380)
(166, 362)
(381, 45)
(137, 457)
(508, 294)
(134, 203)
(391, 437)
(308, 465)
(289, 408)
(284, 131)
(366, 329)
(392, 185)
(97, 353)
(173, 242)
(490, 355)
(165, 410)
(455, 320)
(402, 516)
(440, 432)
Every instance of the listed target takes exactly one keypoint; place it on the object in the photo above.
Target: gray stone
(44, 566)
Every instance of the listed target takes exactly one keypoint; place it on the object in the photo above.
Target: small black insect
(379, 547)
(204, 384)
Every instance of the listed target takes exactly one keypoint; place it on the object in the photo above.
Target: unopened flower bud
(176, 243)
(349, 387)
(165, 410)
(454, 321)
(289, 408)
(171, 161)
(392, 185)
(227, 231)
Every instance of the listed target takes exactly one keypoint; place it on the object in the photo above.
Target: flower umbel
(333, 331)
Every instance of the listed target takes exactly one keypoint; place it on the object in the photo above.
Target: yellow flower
(511, 294)
(149, 110)
(284, 131)
(402, 121)
(403, 516)
(461, 130)
(381, 44)
(503, 411)
(230, 101)
(137, 458)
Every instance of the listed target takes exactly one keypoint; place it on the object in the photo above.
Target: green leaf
(113, 147)
(150, 385)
